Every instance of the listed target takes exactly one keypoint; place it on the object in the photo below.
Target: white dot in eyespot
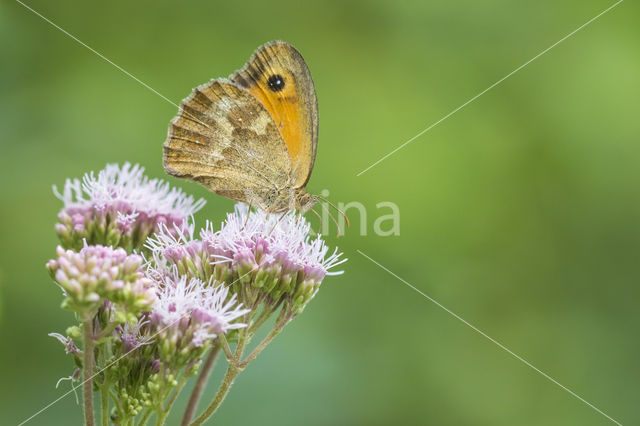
(198, 142)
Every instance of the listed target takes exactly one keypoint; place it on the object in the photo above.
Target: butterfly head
(305, 201)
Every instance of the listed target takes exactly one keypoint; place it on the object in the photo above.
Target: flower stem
(201, 383)
(104, 404)
(176, 392)
(232, 371)
(145, 417)
(161, 417)
(87, 384)
(264, 315)
(107, 330)
(263, 344)
(225, 345)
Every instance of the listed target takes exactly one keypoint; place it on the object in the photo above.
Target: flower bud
(96, 274)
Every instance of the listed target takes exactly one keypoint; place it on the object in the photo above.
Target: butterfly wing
(279, 78)
(225, 139)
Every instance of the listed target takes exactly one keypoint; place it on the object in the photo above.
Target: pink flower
(120, 206)
(190, 312)
(97, 274)
(285, 239)
(273, 253)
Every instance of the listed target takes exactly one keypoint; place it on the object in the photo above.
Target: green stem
(232, 371)
(201, 383)
(105, 386)
(104, 403)
(145, 417)
(263, 344)
(264, 315)
(163, 413)
(162, 416)
(87, 369)
(107, 330)
(176, 392)
(116, 402)
(225, 345)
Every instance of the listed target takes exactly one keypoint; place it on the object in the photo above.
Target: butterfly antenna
(333, 219)
(319, 218)
(337, 209)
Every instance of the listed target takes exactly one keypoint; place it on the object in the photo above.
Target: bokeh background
(521, 212)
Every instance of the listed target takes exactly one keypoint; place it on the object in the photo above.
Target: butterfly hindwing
(224, 138)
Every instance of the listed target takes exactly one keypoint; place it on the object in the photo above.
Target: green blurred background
(521, 212)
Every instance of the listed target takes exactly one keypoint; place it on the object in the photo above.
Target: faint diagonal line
(73, 388)
(76, 39)
(127, 73)
(489, 88)
(492, 340)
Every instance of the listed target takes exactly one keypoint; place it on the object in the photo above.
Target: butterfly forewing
(279, 78)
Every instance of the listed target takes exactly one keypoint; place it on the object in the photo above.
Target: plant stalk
(262, 345)
(232, 371)
(145, 417)
(87, 373)
(229, 377)
(200, 385)
(104, 404)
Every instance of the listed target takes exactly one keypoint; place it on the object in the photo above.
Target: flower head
(119, 206)
(272, 253)
(175, 247)
(68, 343)
(97, 274)
(188, 313)
(131, 336)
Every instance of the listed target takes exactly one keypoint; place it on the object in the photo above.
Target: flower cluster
(152, 298)
(120, 206)
(271, 258)
(190, 312)
(174, 249)
(171, 338)
(266, 258)
(96, 274)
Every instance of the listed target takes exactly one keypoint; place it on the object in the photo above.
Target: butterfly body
(251, 137)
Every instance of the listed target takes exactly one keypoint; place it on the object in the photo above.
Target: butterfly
(251, 137)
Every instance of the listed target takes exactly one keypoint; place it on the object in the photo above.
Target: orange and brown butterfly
(251, 137)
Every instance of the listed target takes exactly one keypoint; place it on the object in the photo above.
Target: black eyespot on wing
(276, 82)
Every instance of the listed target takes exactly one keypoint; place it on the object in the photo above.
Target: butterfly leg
(247, 218)
(278, 221)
